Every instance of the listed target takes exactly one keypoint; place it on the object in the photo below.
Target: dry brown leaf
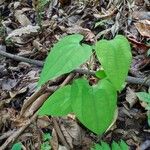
(43, 122)
(15, 93)
(141, 15)
(22, 19)
(88, 34)
(67, 136)
(23, 31)
(74, 131)
(131, 97)
(54, 141)
(143, 27)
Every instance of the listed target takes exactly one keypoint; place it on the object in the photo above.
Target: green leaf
(41, 4)
(46, 136)
(123, 145)
(94, 106)
(66, 55)
(17, 146)
(148, 117)
(58, 104)
(115, 57)
(100, 74)
(105, 146)
(143, 96)
(115, 146)
(96, 147)
(45, 146)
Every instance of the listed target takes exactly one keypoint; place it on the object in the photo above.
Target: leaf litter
(20, 35)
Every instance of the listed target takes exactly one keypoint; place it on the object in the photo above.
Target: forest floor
(28, 30)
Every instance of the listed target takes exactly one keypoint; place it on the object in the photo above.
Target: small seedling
(17, 146)
(39, 7)
(145, 97)
(95, 105)
(114, 146)
(46, 145)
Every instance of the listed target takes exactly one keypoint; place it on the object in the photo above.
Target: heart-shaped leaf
(115, 57)
(94, 106)
(66, 55)
(58, 104)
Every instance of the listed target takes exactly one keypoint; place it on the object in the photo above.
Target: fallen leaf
(24, 30)
(54, 140)
(143, 27)
(88, 34)
(43, 122)
(74, 130)
(131, 97)
(22, 19)
(138, 46)
(141, 15)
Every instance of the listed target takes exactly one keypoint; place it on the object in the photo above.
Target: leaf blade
(115, 57)
(65, 56)
(87, 99)
(143, 96)
(58, 104)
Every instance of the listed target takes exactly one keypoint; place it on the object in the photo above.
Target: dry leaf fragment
(143, 27)
(131, 97)
(67, 136)
(141, 15)
(43, 122)
(73, 130)
(54, 141)
(17, 92)
(22, 19)
(24, 30)
(88, 34)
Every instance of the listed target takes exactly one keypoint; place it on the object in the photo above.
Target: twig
(39, 97)
(129, 79)
(19, 58)
(32, 99)
(36, 104)
(7, 134)
(15, 135)
(134, 80)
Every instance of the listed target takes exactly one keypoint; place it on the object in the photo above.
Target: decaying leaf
(43, 122)
(131, 97)
(23, 31)
(74, 130)
(141, 15)
(54, 141)
(22, 19)
(88, 34)
(143, 27)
